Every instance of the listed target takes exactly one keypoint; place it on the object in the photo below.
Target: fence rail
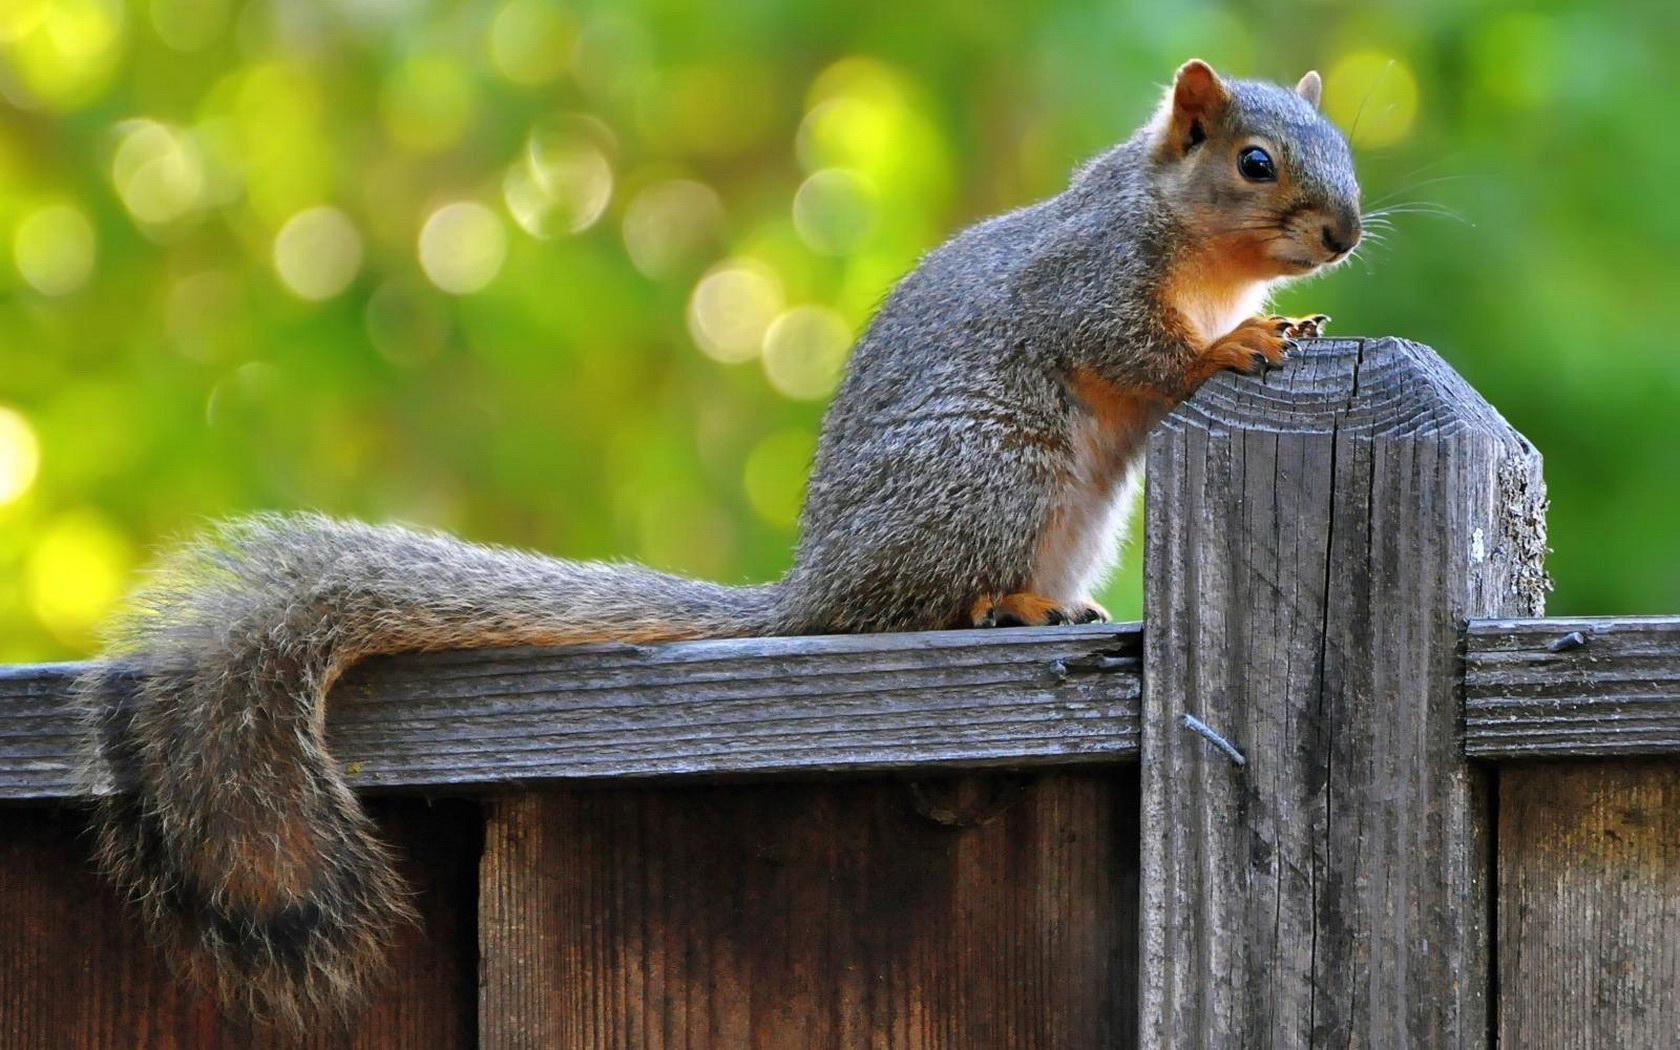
(1569, 688)
(1019, 697)
(1548, 687)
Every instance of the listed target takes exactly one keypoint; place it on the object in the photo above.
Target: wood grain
(75, 973)
(1559, 687)
(1313, 543)
(1589, 906)
(813, 917)
(1014, 697)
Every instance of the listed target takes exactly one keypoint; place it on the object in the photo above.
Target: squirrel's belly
(1080, 543)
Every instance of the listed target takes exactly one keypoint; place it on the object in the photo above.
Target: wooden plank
(813, 916)
(75, 974)
(1557, 687)
(1015, 697)
(1589, 905)
(39, 735)
(1313, 542)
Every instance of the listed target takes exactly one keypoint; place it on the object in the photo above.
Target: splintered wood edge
(1017, 697)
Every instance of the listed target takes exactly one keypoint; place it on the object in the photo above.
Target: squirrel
(973, 470)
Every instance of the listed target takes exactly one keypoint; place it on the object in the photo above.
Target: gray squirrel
(973, 471)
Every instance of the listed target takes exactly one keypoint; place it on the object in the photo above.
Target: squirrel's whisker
(1353, 132)
(1385, 198)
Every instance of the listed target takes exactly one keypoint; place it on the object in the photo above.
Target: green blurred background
(579, 276)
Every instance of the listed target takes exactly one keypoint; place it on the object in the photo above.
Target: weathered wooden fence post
(1315, 541)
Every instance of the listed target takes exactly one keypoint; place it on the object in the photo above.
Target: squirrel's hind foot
(1025, 609)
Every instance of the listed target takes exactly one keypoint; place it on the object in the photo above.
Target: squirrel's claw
(1300, 327)
(1260, 362)
(1090, 612)
(1025, 609)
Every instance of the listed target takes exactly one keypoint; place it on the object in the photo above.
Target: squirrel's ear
(1198, 96)
(1310, 88)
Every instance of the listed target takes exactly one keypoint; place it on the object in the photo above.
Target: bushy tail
(229, 824)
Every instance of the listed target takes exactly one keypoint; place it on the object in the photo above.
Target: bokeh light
(1373, 96)
(462, 247)
(54, 247)
(564, 181)
(19, 18)
(63, 53)
(278, 138)
(866, 116)
(20, 455)
(835, 211)
(76, 572)
(670, 223)
(732, 307)
(158, 172)
(318, 252)
(531, 41)
(805, 350)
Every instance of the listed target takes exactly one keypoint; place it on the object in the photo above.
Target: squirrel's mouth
(1302, 264)
(1313, 242)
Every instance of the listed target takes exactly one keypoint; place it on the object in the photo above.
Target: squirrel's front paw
(1025, 609)
(1254, 346)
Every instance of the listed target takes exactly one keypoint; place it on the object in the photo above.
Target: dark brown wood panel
(75, 973)
(1572, 686)
(1023, 696)
(1589, 906)
(814, 916)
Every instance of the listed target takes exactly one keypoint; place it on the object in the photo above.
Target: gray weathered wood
(1014, 697)
(1314, 541)
(1560, 687)
(1589, 905)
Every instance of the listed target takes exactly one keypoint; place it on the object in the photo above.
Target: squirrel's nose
(1340, 237)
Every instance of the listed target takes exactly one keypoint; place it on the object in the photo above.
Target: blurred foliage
(578, 276)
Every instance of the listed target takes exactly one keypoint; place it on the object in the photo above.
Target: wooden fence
(1343, 788)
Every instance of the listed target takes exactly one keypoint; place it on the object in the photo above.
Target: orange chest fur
(1216, 289)
(1080, 539)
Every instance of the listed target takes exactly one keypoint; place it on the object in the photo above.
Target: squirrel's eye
(1255, 164)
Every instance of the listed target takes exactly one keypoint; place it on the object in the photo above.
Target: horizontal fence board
(1572, 687)
(1013, 697)
(1016, 697)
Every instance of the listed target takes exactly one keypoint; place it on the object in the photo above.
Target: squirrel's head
(1256, 168)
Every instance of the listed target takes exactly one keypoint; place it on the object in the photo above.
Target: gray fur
(941, 451)
(953, 443)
